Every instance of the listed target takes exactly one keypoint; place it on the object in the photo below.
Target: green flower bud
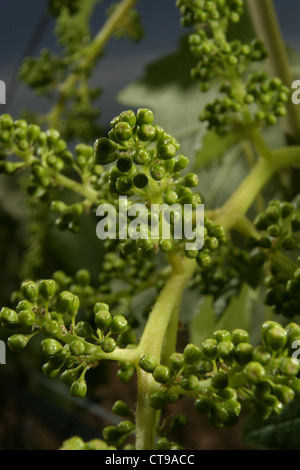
(192, 354)
(123, 131)
(103, 319)
(190, 180)
(148, 363)
(9, 317)
(140, 157)
(284, 394)
(58, 360)
(221, 335)
(239, 336)
(163, 444)
(84, 150)
(125, 428)
(105, 151)
(173, 397)
(118, 324)
(219, 380)
(203, 405)
(78, 388)
(123, 184)
(83, 277)
(158, 400)
(46, 289)
(254, 372)
(24, 305)
(84, 329)
(101, 306)
(124, 164)
(111, 434)
(128, 116)
(189, 382)
(266, 327)
(181, 163)
(6, 121)
(289, 366)
(203, 260)
(67, 303)
(29, 290)
(166, 151)
(51, 346)
(162, 374)
(49, 372)
(108, 344)
(69, 376)
(74, 443)
(126, 375)
(157, 172)
(17, 342)
(120, 408)
(289, 243)
(286, 209)
(126, 337)
(276, 338)
(146, 132)
(243, 353)
(166, 246)
(52, 136)
(261, 355)
(295, 385)
(77, 347)
(170, 197)
(27, 318)
(226, 350)
(140, 181)
(176, 361)
(209, 348)
(218, 415)
(144, 116)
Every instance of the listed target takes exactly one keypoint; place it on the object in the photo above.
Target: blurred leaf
(236, 315)
(276, 433)
(214, 146)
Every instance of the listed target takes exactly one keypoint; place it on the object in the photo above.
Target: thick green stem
(242, 199)
(268, 30)
(95, 49)
(145, 415)
(157, 338)
(79, 188)
(244, 196)
(154, 333)
(171, 335)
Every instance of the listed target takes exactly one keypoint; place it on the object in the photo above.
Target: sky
(124, 61)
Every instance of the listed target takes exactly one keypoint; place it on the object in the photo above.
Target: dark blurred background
(36, 413)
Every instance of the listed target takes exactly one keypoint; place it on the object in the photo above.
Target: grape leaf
(275, 433)
(236, 315)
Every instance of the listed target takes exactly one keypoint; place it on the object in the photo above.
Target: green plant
(252, 240)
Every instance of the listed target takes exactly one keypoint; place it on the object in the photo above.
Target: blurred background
(36, 413)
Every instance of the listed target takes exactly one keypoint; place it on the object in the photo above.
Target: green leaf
(213, 147)
(276, 433)
(237, 314)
